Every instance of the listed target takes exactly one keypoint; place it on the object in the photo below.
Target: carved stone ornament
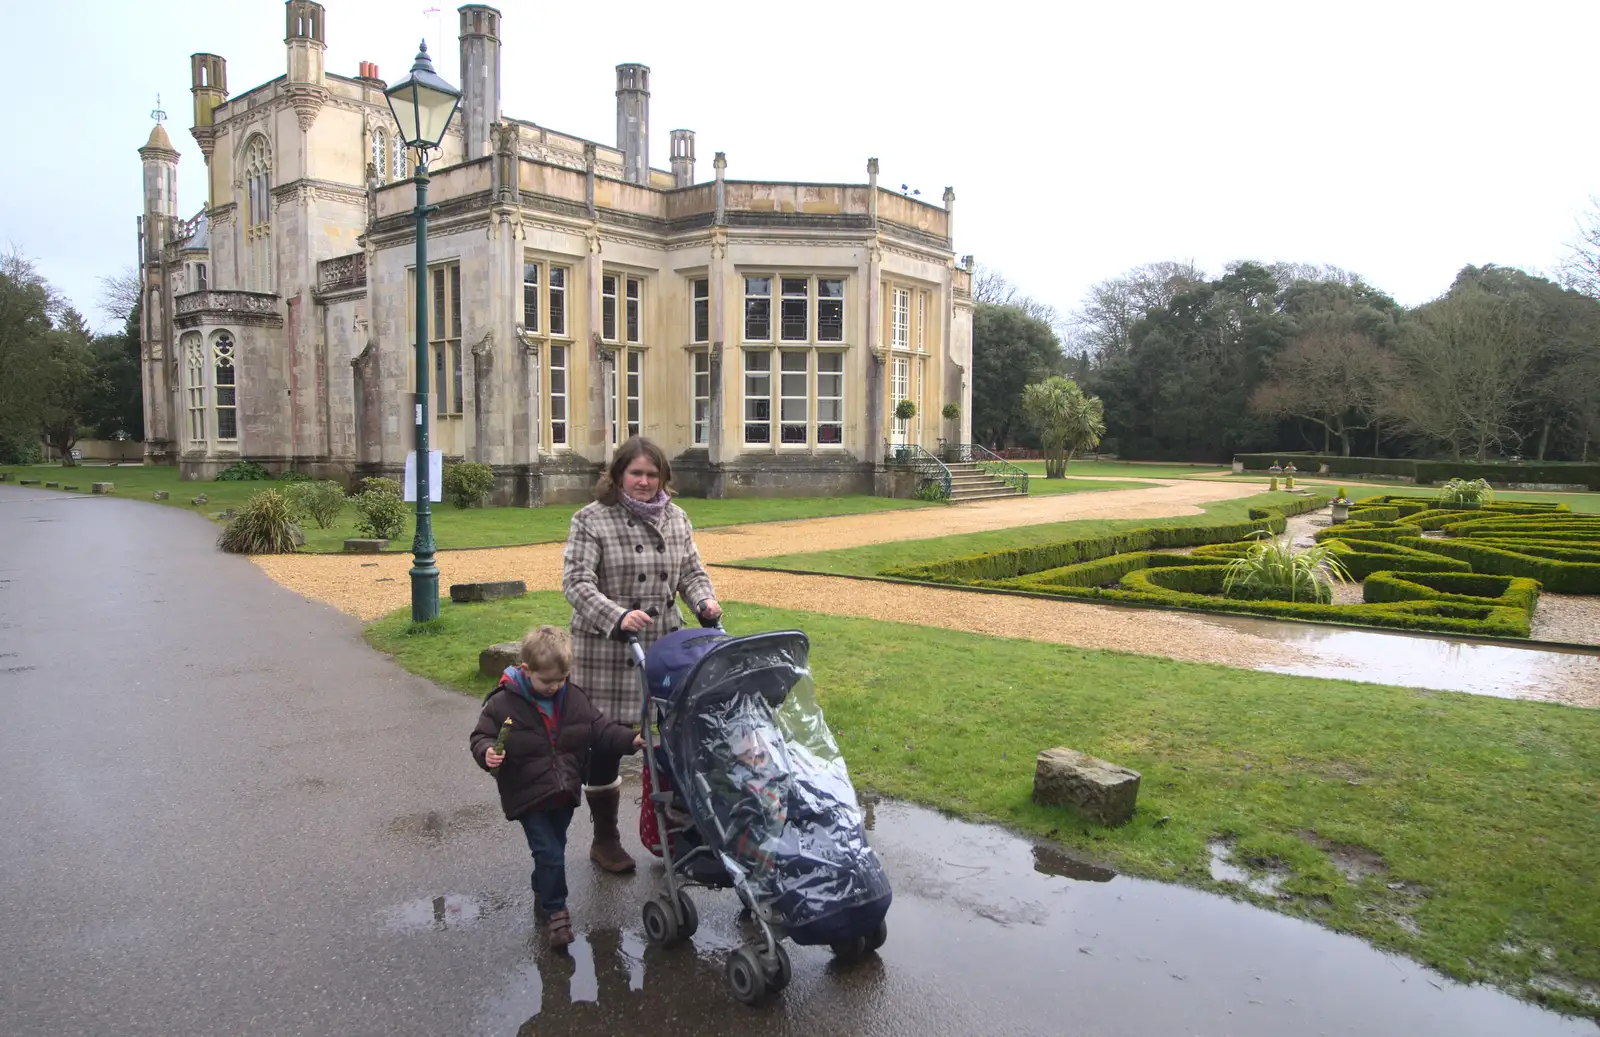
(307, 101)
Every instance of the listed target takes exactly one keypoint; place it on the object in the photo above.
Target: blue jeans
(547, 841)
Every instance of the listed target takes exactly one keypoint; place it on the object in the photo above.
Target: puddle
(1436, 663)
(451, 911)
(1266, 880)
(435, 826)
(989, 933)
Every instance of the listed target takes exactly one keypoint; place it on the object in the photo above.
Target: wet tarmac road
(223, 814)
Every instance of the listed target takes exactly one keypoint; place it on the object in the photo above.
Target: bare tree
(1101, 324)
(1580, 267)
(993, 287)
(1331, 374)
(1467, 359)
(120, 293)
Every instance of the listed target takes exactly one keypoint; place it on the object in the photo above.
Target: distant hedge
(1428, 472)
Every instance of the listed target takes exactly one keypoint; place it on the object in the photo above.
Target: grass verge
(1454, 828)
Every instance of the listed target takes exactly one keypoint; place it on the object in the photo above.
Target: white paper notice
(435, 475)
(419, 414)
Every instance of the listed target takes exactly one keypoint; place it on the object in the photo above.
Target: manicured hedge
(1387, 532)
(1202, 579)
(1109, 570)
(1362, 558)
(1558, 577)
(1465, 588)
(1378, 514)
(1564, 472)
(1012, 562)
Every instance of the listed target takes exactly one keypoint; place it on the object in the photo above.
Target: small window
(700, 320)
(902, 319)
(758, 397)
(830, 399)
(530, 297)
(558, 393)
(635, 304)
(634, 403)
(830, 309)
(200, 280)
(793, 316)
(793, 400)
(701, 393)
(558, 300)
(758, 309)
(195, 381)
(608, 308)
(380, 156)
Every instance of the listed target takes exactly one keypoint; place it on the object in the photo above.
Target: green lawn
(874, 558)
(1473, 817)
(1124, 469)
(453, 527)
(1039, 486)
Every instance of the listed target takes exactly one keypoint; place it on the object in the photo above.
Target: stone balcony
(196, 309)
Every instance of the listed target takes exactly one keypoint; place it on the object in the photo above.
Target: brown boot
(560, 928)
(607, 850)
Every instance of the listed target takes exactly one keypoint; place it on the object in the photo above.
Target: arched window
(380, 156)
(258, 214)
(194, 380)
(402, 159)
(227, 386)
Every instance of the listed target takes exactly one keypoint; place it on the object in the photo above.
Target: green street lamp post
(423, 105)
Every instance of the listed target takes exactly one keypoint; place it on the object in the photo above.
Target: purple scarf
(651, 510)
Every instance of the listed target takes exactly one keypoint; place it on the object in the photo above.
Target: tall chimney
(683, 158)
(480, 75)
(633, 122)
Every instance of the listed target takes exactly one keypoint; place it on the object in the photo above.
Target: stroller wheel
(747, 981)
(688, 917)
(850, 950)
(879, 936)
(660, 922)
(778, 968)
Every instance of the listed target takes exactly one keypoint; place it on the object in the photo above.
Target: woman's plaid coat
(616, 562)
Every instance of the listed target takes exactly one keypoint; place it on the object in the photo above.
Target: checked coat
(616, 562)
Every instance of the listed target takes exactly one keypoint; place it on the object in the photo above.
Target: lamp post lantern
(423, 105)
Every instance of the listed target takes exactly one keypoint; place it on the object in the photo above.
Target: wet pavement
(223, 814)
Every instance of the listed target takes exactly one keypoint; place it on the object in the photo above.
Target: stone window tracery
(258, 214)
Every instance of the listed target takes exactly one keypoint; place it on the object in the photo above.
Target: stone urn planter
(1341, 511)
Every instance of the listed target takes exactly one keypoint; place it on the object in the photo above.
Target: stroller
(746, 789)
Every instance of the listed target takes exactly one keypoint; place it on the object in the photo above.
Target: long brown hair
(610, 484)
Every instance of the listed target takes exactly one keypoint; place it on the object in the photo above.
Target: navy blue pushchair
(745, 789)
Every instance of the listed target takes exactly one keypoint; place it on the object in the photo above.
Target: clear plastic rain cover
(767, 786)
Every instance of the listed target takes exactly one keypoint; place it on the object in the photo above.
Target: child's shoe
(560, 928)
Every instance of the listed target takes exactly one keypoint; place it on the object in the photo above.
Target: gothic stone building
(763, 333)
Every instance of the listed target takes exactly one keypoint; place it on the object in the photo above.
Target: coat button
(628, 662)
(661, 548)
(663, 576)
(638, 548)
(630, 523)
(641, 577)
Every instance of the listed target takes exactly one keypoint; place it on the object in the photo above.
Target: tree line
(1284, 356)
(61, 381)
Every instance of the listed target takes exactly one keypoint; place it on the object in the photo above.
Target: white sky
(1399, 140)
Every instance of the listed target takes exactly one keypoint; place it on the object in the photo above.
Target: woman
(629, 554)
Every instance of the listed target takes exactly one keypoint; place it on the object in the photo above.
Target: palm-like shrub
(263, 525)
(1466, 491)
(1272, 569)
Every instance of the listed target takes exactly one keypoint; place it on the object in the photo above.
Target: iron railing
(992, 463)
(930, 470)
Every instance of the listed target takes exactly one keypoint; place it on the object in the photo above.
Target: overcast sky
(1399, 140)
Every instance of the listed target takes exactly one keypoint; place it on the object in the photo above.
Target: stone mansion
(763, 333)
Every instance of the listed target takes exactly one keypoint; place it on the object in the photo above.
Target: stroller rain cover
(767, 788)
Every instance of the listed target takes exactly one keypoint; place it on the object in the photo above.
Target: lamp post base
(424, 591)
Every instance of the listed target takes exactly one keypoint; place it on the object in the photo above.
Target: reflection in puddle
(1223, 869)
(451, 911)
(1428, 662)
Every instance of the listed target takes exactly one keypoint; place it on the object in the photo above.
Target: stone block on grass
(492, 661)
(102, 487)
(27, 482)
(159, 495)
(364, 546)
(72, 489)
(1099, 789)
(460, 593)
(52, 486)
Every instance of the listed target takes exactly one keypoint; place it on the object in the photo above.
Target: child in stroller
(746, 788)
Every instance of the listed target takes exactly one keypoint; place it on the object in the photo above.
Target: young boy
(540, 772)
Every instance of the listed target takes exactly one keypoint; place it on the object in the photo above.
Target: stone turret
(306, 42)
(208, 82)
(480, 77)
(683, 158)
(160, 189)
(633, 122)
